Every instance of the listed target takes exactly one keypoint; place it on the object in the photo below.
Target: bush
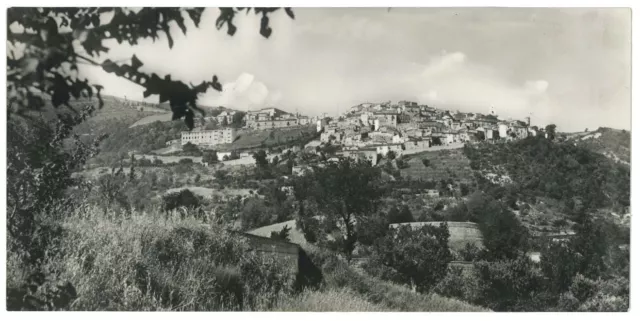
(460, 284)
(185, 161)
(419, 257)
(509, 285)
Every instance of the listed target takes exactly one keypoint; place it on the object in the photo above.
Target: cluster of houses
(368, 129)
(269, 118)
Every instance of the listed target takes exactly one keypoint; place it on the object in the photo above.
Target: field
(165, 117)
(443, 164)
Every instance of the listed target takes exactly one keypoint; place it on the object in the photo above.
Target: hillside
(613, 143)
(167, 116)
(538, 168)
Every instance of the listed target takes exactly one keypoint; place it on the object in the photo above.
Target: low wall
(461, 233)
(307, 274)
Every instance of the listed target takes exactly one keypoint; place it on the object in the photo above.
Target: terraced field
(443, 164)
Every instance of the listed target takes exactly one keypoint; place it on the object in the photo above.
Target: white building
(209, 137)
(502, 129)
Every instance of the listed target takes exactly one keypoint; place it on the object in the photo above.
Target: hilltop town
(370, 129)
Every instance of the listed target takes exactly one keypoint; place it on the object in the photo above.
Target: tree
(342, 204)
(426, 162)
(261, 159)
(238, 119)
(282, 235)
(419, 257)
(210, 157)
(399, 216)
(191, 149)
(550, 130)
(509, 285)
(391, 155)
(59, 29)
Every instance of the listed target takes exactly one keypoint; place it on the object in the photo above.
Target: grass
(331, 300)
(339, 275)
(149, 262)
(444, 164)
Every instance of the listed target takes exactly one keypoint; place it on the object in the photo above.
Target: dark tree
(282, 235)
(550, 130)
(341, 203)
(419, 257)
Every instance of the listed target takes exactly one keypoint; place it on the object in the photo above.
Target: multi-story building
(270, 124)
(226, 116)
(209, 137)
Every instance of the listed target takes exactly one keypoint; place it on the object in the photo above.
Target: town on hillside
(371, 129)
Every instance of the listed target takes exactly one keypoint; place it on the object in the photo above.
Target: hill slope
(613, 143)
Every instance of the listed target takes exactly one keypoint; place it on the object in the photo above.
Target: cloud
(245, 93)
(453, 80)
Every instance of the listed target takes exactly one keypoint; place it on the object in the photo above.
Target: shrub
(460, 284)
(509, 285)
(420, 257)
(282, 235)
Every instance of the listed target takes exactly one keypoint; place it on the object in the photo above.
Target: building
(304, 120)
(270, 124)
(368, 154)
(404, 118)
(301, 170)
(389, 118)
(503, 130)
(226, 116)
(320, 124)
(209, 137)
(417, 143)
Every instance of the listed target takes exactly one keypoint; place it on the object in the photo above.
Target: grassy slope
(103, 258)
(444, 164)
(255, 138)
(613, 143)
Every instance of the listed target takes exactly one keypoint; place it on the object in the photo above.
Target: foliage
(459, 284)
(391, 155)
(345, 192)
(38, 173)
(419, 256)
(426, 162)
(509, 285)
(210, 157)
(47, 67)
(282, 235)
(190, 149)
(562, 171)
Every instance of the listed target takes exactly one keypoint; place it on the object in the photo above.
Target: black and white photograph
(317, 159)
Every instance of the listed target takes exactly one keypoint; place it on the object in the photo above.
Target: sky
(570, 67)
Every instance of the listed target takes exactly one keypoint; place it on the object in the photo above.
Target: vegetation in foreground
(143, 262)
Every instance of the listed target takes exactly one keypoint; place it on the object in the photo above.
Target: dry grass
(331, 300)
(146, 262)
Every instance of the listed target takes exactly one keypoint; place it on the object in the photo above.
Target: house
(300, 170)
(432, 126)
(503, 129)
(404, 118)
(367, 153)
(304, 120)
(226, 116)
(208, 137)
(387, 117)
(416, 143)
